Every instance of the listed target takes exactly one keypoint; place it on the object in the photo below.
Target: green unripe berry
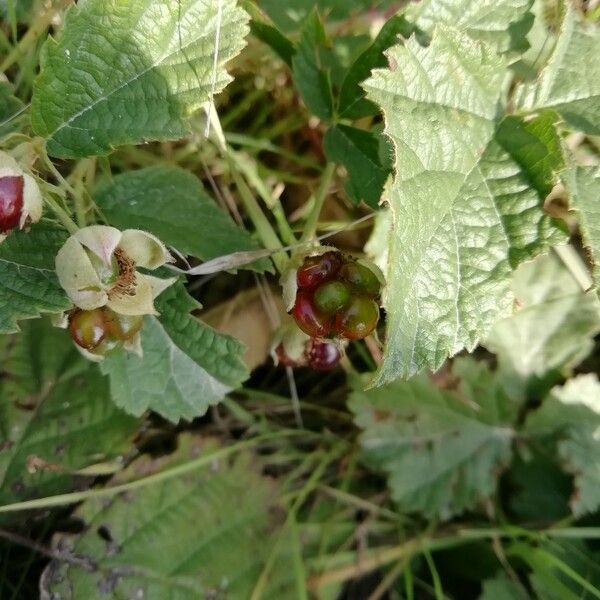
(124, 327)
(331, 297)
(361, 278)
(359, 319)
(88, 328)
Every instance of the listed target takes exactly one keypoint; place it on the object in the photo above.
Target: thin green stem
(310, 228)
(176, 471)
(38, 27)
(61, 215)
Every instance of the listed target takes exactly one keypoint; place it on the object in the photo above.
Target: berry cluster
(318, 354)
(336, 297)
(101, 330)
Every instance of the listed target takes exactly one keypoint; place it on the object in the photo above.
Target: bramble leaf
(10, 108)
(56, 415)
(352, 101)
(366, 157)
(584, 188)
(503, 24)
(311, 77)
(572, 414)
(570, 82)
(171, 203)
(186, 365)
(554, 326)
(466, 208)
(442, 452)
(204, 534)
(28, 282)
(123, 74)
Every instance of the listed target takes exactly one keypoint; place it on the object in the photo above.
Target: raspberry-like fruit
(88, 328)
(309, 318)
(332, 296)
(361, 278)
(318, 269)
(11, 202)
(359, 319)
(323, 356)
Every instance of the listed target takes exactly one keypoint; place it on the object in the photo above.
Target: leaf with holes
(57, 415)
(186, 365)
(442, 452)
(126, 73)
(204, 534)
(145, 199)
(28, 282)
(465, 204)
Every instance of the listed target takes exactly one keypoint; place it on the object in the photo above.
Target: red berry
(323, 356)
(11, 202)
(88, 328)
(359, 319)
(309, 318)
(318, 269)
(361, 278)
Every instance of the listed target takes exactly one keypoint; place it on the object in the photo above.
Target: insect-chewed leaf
(205, 534)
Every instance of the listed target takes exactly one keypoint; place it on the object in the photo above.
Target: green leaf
(28, 282)
(10, 109)
(562, 569)
(56, 415)
(186, 365)
(171, 203)
(584, 188)
(442, 452)
(366, 157)
(22, 9)
(270, 35)
(206, 534)
(126, 74)
(570, 83)
(572, 413)
(352, 101)
(502, 24)
(310, 77)
(502, 588)
(553, 327)
(290, 14)
(464, 203)
(540, 489)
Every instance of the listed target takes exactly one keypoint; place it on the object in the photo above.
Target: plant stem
(176, 471)
(310, 228)
(38, 27)
(264, 229)
(62, 215)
